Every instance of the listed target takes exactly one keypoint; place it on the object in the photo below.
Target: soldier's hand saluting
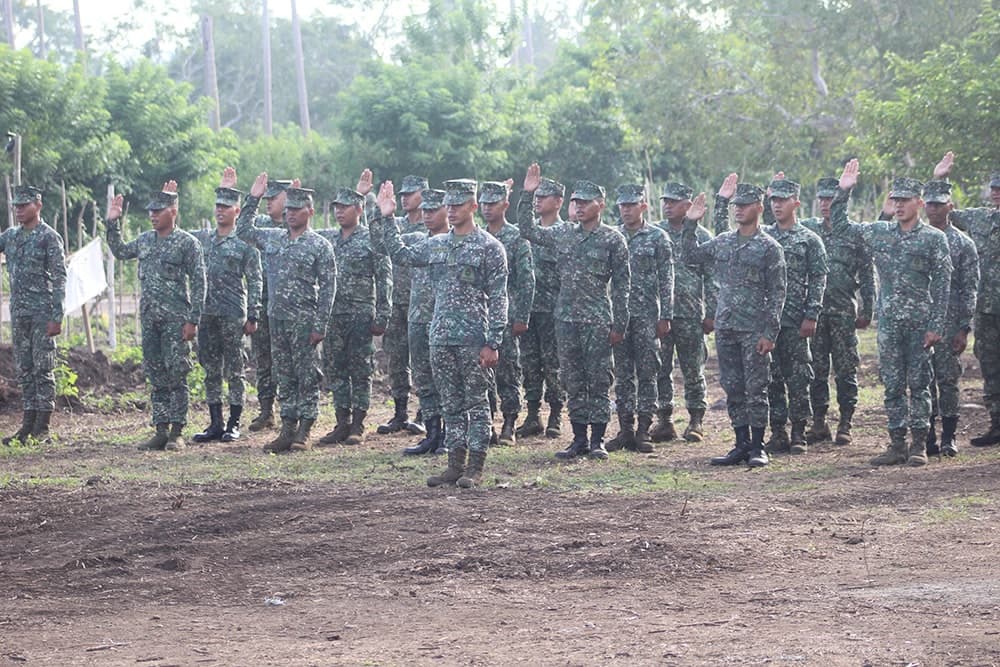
(533, 178)
(386, 199)
(697, 209)
(259, 186)
(115, 208)
(228, 178)
(728, 187)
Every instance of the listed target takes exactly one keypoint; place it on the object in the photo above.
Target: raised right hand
(943, 168)
(386, 199)
(533, 178)
(849, 177)
(228, 178)
(728, 187)
(115, 208)
(697, 209)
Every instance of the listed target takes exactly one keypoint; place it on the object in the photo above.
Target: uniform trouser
(166, 362)
(905, 364)
(220, 352)
(947, 369)
(296, 368)
(261, 342)
(395, 342)
(744, 375)
(585, 365)
(540, 360)
(349, 360)
(508, 373)
(987, 351)
(35, 356)
(423, 377)
(637, 363)
(836, 341)
(791, 368)
(688, 339)
(463, 384)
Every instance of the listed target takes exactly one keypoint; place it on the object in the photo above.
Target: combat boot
(357, 434)
(175, 441)
(429, 443)
(507, 437)
(266, 417)
(779, 442)
(820, 430)
(40, 430)
(948, 427)
(399, 418)
(158, 441)
(664, 431)
(232, 432)
(757, 457)
(284, 440)
(531, 425)
(844, 426)
(553, 429)
(474, 471)
(738, 454)
(300, 441)
(214, 430)
(932, 441)
(455, 470)
(642, 440)
(797, 443)
(597, 450)
(340, 430)
(917, 456)
(695, 431)
(895, 453)
(992, 436)
(439, 447)
(579, 446)
(27, 425)
(626, 433)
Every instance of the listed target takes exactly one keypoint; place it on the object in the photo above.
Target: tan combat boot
(266, 417)
(917, 456)
(300, 441)
(844, 426)
(474, 471)
(642, 439)
(158, 441)
(357, 432)
(27, 424)
(695, 431)
(455, 470)
(284, 440)
(664, 431)
(895, 453)
(175, 442)
(341, 430)
(820, 430)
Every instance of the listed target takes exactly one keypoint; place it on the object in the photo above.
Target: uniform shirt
(546, 275)
(265, 221)
(520, 273)
(695, 290)
(364, 277)
(228, 261)
(401, 275)
(851, 272)
(964, 280)
(651, 268)
(983, 225)
(421, 309)
(37, 270)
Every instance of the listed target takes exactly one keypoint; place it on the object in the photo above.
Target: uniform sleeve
(721, 215)
(694, 252)
(120, 249)
(399, 252)
(383, 289)
(866, 279)
(325, 270)
(621, 284)
(530, 229)
(55, 262)
(774, 299)
(524, 276)
(940, 286)
(246, 229)
(665, 277)
(838, 212)
(818, 269)
(969, 271)
(496, 295)
(255, 282)
(194, 264)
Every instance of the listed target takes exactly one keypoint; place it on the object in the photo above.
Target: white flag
(85, 277)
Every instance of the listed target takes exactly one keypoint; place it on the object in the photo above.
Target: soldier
(395, 342)
(172, 278)
(539, 356)
(836, 340)
(468, 268)
(302, 279)
(494, 200)
(695, 296)
(914, 272)
(232, 308)
(590, 318)
(37, 270)
(360, 311)
(750, 269)
(637, 358)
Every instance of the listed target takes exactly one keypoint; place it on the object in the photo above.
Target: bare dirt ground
(343, 557)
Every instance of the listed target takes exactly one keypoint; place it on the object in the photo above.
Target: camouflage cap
(782, 188)
(677, 191)
(161, 200)
(458, 191)
(298, 197)
(227, 196)
(347, 197)
(748, 193)
(493, 191)
(827, 187)
(412, 183)
(937, 192)
(995, 180)
(550, 188)
(630, 193)
(431, 200)
(275, 188)
(25, 194)
(587, 191)
(904, 187)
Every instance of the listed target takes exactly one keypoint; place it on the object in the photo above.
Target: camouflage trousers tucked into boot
(664, 431)
(779, 442)
(474, 471)
(455, 470)
(695, 431)
(158, 441)
(532, 424)
(917, 456)
(266, 417)
(27, 425)
(820, 430)
(844, 426)
(896, 453)
(284, 440)
(626, 434)
(642, 438)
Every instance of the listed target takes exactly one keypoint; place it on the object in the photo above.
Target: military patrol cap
(275, 188)
(937, 192)
(676, 191)
(827, 187)
(995, 180)
(298, 197)
(25, 194)
(348, 197)
(492, 191)
(549, 188)
(782, 188)
(162, 200)
(431, 200)
(630, 193)
(227, 196)
(904, 187)
(458, 191)
(412, 183)
(748, 193)
(587, 191)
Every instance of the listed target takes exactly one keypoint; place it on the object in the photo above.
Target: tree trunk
(211, 81)
(41, 31)
(300, 72)
(78, 24)
(268, 102)
(8, 22)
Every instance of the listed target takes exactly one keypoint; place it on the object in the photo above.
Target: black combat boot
(992, 436)
(643, 442)
(440, 448)
(844, 425)
(740, 451)
(429, 442)
(757, 457)
(580, 445)
(40, 431)
(553, 428)
(948, 427)
(626, 433)
(27, 424)
(215, 429)
(399, 418)
(932, 441)
(233, 425)
(532, 424)
(357, 434)
(597, 450)
(507, 437)
(340, 430)
(797, 443)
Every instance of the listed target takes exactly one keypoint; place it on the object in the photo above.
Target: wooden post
(109, 260)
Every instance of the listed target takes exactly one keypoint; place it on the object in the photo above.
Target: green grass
(956, 509)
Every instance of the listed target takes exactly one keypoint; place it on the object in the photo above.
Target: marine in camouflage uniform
(914, 271)
(468, 268)
(360, 311)
(750, 269)
(494, 200)
(836, 341)
(591, 311)
(302, 283)
(172, 278)
(695, 297)
(232, 308)
(37, 270)
(539, 353)
(637, 358)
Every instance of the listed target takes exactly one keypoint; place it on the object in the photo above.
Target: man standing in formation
(172, 278)
(37, 270)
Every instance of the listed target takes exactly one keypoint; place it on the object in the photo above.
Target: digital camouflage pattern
(395, 339)
(687, 338)
(260, 340)
(539, 355)
(419, 317)
(221, 354)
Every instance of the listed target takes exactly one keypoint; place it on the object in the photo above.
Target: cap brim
(408, 189)
(826, 193)
(490, 199)
(937, 200)
(456, 200)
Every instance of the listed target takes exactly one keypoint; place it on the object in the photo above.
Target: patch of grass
(17, 448)
(956, 509)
